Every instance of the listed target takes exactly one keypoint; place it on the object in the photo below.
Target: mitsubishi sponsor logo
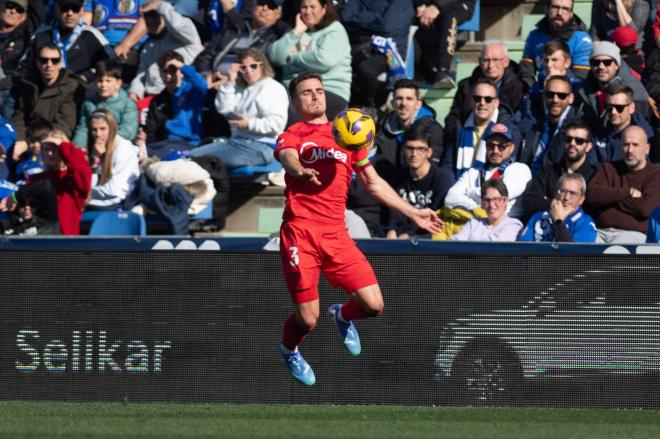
(311, 152)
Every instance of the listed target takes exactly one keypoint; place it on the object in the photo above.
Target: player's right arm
(290, 161)
(424, 218)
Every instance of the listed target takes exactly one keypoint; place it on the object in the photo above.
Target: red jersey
(317, 150)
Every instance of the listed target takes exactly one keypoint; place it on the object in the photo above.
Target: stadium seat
(118, 224)
(474, 23)
(244, 171)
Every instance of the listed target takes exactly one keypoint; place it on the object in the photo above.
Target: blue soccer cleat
(298, 367)
(347, 331)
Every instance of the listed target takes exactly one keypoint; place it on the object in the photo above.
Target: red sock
(353, 311)
(294, 333)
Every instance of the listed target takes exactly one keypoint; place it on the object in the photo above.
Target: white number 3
(294, 256)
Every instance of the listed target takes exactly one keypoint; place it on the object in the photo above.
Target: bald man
(622, 194)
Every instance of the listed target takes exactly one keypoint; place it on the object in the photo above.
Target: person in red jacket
(68, 169)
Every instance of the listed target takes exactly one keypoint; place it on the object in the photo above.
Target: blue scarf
(66, 44)
(215, 16)
(467, 156)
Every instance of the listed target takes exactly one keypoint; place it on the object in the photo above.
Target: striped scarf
(66, 44)
(466, 155)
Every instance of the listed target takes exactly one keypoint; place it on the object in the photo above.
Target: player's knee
(308, 320)
(374, 309)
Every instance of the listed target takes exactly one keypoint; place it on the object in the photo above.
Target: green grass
(116, 420)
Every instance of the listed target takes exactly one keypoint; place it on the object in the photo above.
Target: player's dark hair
(496, 184)
(300, 78)
(108, 67)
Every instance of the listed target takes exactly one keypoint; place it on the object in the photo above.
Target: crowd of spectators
(559, 147)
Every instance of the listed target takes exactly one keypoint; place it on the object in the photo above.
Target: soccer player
(313, 237)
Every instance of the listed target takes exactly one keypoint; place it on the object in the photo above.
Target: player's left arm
(290, 161)
(383, 192)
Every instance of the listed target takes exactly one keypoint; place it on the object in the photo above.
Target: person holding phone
(255, 106)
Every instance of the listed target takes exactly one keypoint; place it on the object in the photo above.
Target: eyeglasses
(46, 60)
(619, 108)
(16, 7)
(597, 62)
(558, 8)
(579, 141)
(493, 200)
(416, 149)
(499, 146)
(254, 66)
(551, 95)
(72, 7)
(490, 60)
(477, 99)
(569, 193)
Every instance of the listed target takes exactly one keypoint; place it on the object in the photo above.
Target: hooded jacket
(574, 34)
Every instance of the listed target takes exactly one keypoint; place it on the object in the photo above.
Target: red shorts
(308, 248)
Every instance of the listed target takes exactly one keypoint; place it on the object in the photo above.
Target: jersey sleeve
(284, 141)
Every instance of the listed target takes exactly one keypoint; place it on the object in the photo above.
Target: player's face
(635, 148)
(493, 62)
(406, 104)
(574, 152)
(620, 110)
(559, 13)
(310, 98)
(570, 194)
(417, 153)
(558, 97)
(494, 204)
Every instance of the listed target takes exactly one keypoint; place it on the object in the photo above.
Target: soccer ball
(353, 129)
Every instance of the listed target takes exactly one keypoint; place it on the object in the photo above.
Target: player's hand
(309, 174)
(428, 220)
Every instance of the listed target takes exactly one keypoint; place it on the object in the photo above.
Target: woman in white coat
(256, 107)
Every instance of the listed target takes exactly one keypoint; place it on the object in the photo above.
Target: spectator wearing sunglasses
(495, 65)
(575, 143)
(541, 142)
(15, 30)
(52, 93)
(466, 149)
(621, 113)
(608, 74)
(564, 221)
(82, 46)
(500, 163)
(256, 107)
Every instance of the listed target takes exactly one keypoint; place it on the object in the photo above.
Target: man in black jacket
(576, 142)
(495, 65)
(83, 46)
